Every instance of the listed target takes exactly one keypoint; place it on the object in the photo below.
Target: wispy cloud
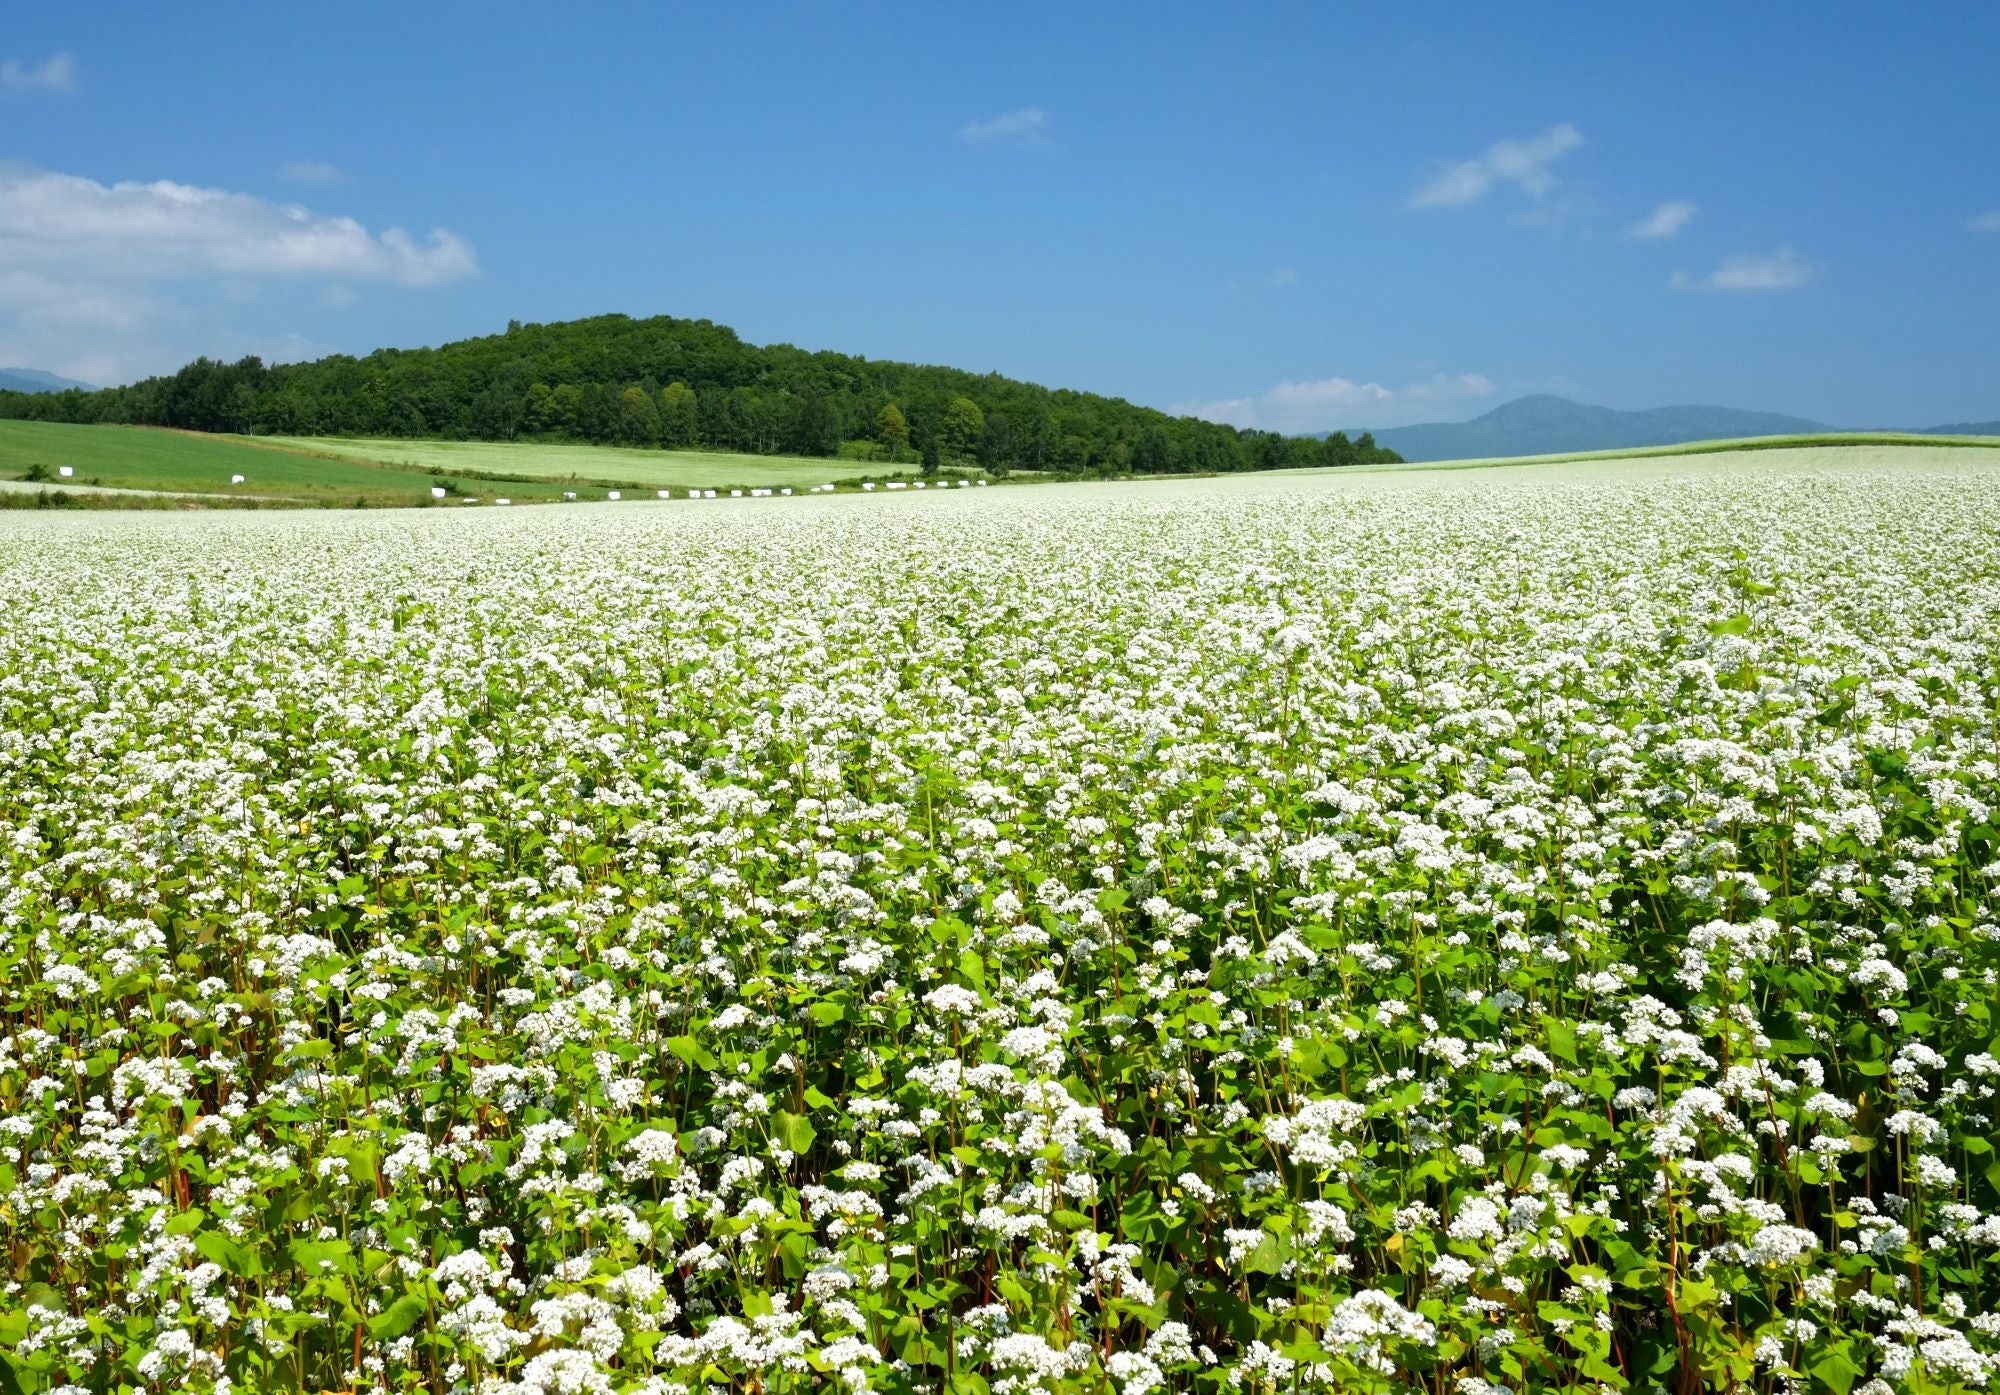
(1986, 222)
(1523, 163)
(1028, 126)
(56, 73)
(1751, 271)
(310, 172)
(1322, 404)
(44, 304)
(1285, 276)
(1664, 221)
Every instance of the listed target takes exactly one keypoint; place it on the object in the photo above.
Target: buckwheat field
(1463, 931)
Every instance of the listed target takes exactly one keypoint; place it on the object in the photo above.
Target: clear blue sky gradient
(1219, 199)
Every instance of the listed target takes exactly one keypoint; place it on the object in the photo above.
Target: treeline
(686, 384)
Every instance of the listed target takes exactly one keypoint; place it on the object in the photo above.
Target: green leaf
(237, 1259)
(795, 1131)
(691, 1052)
(1267, 1258)
(309, 1255)
(399, 1317)
(1836, 1371)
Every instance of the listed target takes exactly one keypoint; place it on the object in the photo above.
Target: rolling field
(338, 472)
(134, 457)
(599, 465)
(1460, 931)
(1867, 440)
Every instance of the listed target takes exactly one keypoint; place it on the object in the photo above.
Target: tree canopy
(684, 384)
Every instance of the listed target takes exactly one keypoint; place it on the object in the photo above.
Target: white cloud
(291, 347)
(90, 368)
(42, 304)
(1664, 221)
(1524, 163)
(1985, 222)
(1285, 276)
(53, 74)
(1751, 271)
(1028, 126)
(310, 172)
(1324, 404)
(163, 230)
(136, 278)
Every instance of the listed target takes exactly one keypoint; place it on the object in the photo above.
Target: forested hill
(683, 384)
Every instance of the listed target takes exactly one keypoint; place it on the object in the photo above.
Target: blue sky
(1291, 216)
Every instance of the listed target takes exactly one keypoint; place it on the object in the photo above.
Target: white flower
(1780, 1246)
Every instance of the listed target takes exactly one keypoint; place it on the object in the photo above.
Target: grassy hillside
(333, 472)
(131, 457)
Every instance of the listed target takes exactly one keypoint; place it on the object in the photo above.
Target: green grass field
(136, 457)
(331, 472)
(613, 466)
(379, 472)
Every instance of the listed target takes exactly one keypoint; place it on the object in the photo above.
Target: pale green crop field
(585, 464)
(1844, 440)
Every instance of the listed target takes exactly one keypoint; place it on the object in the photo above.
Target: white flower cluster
(1485, 931)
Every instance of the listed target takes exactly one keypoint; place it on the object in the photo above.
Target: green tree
(761, 418)
(931, 454)
(538, 409)
(1038, 443)
(892, 430)
(1154, 455)
(718, 418)
(815, 427)
(680, 416)
(998, 446)
(638, 418)
(744, 397)
(964, 427)
(564, 404)
(495, 415)
(597, 413)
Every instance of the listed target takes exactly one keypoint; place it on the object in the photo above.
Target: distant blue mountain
(1965, 428)
(1545, 425)
(34, 380)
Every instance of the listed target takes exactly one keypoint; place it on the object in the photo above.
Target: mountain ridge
(35, 380)
(1544, 424)
(1965, 428)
